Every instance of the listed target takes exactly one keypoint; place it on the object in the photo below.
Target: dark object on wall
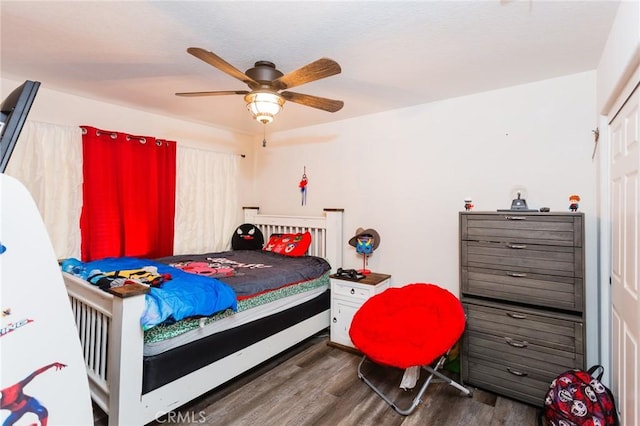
(247, 237)
(13, 113)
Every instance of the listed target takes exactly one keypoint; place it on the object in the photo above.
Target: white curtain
(47, 159)
(206, 201)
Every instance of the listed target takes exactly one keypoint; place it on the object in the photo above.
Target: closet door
(624, 131)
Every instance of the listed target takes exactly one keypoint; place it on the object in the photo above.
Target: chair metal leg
(418, 398)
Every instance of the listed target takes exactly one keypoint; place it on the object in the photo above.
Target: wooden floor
(317, 384)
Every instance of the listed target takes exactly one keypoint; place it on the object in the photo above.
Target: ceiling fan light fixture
(264, 105)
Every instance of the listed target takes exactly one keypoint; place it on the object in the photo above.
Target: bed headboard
(326, 231)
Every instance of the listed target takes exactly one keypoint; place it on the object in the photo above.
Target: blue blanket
(184, 295)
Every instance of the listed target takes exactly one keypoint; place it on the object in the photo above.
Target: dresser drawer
(520, 353)
(517, 369)
(536, 228)
(524, 287)
(539, 328)
(514, 381)
(522, 258)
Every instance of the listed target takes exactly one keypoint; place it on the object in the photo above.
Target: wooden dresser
(522, 288)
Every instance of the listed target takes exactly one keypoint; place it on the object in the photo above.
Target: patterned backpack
(578, 397)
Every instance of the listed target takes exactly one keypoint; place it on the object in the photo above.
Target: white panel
(630, 368)
(616, 383)
(616, 227)
(632, 128)
(631, 235)
(616, 141)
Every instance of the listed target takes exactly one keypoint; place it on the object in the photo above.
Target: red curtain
(128, 195)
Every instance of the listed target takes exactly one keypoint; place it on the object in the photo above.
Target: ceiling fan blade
(214, 93)
(216, 61)
(330, 105)
(322, 68)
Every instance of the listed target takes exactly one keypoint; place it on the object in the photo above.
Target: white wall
(621, 55)
(406, 172)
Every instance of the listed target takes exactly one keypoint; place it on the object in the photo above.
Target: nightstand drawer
(536, 327)
(344, 288)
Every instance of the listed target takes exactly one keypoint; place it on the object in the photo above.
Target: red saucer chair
(414, 325)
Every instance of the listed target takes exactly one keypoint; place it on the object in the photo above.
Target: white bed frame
(107, 320)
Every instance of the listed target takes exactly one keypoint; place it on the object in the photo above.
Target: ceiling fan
(266, 98)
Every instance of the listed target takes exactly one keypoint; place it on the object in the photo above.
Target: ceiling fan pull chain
(264, 135)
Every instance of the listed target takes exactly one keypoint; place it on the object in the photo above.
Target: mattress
(165, 337)
(172, 364)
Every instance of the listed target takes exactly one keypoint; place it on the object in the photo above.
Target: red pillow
(289, 244)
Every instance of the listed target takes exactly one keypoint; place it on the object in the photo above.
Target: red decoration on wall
(303, 186)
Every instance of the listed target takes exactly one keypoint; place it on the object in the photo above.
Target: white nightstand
(346, 298)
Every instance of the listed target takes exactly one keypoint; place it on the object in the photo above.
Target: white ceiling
(393, 54)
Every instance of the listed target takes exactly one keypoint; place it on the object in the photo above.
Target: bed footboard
(112, 342)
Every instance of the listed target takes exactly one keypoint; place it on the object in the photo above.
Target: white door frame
(604, 225)
(604, 251)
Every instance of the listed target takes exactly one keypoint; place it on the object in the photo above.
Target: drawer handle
(516, 372)
(515, 217)
(353, 291)
(516, 246)
(516, 316)
(515, 343)
(516, 274)
(335, 320)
